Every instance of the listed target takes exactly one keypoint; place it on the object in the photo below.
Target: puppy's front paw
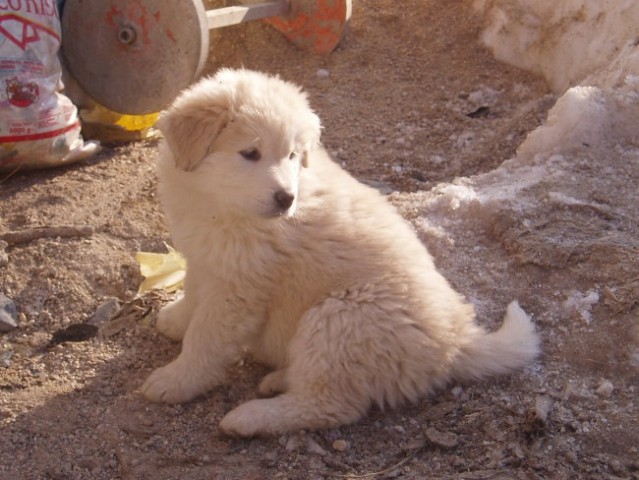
(173, 320)
(168, 384)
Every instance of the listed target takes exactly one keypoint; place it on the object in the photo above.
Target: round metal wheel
(134, 56)
(315, 25)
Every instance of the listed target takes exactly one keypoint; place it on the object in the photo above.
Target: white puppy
(315, 273)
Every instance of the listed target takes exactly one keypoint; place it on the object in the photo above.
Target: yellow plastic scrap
(161, 271)
(102, 114)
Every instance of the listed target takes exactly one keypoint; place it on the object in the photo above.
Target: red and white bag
(39, 126)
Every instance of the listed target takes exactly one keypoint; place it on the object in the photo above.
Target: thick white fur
(336, 293)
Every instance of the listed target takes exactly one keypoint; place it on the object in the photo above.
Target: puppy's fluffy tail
(514, 345)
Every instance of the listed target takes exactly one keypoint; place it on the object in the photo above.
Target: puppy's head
(244, 136)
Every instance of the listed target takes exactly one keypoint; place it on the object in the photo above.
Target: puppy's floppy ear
(193, 122)
(311, 138)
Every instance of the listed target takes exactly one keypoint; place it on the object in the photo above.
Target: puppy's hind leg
(288, 412)
(322, 391)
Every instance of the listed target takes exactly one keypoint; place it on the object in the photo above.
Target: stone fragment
(8, 314)
(4, 258)
(294, 442)
(105, 312)
(443, 440)
(314, 448)
(605, 388)
(340, 445)
(543, 404)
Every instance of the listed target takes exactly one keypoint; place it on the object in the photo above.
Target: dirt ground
(413, 105)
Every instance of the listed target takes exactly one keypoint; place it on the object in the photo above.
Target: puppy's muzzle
(284, 199)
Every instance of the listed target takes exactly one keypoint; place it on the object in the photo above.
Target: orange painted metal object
(315, 25)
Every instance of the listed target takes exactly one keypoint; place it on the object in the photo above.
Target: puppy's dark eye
(293, 155)
(252, 154)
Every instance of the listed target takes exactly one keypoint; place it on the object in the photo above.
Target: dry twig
(31, 234)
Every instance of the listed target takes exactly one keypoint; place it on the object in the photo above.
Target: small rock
(315, 448)
(543, 404)
(605, 388)
(323, 73)
(105, 312)
(457, 391)
(340, 445)
(441, 439)
(8, 314)
(4, 258)
(5, 358)
(294, 442)
(399, 429)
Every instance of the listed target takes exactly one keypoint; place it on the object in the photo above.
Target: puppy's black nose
(284, 199)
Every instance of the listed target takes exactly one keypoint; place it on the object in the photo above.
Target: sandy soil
(413, 105)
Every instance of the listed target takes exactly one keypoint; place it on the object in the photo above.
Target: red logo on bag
(23, 31)
(21, 94)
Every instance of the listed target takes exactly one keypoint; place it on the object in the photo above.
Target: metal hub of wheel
(134, 56)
